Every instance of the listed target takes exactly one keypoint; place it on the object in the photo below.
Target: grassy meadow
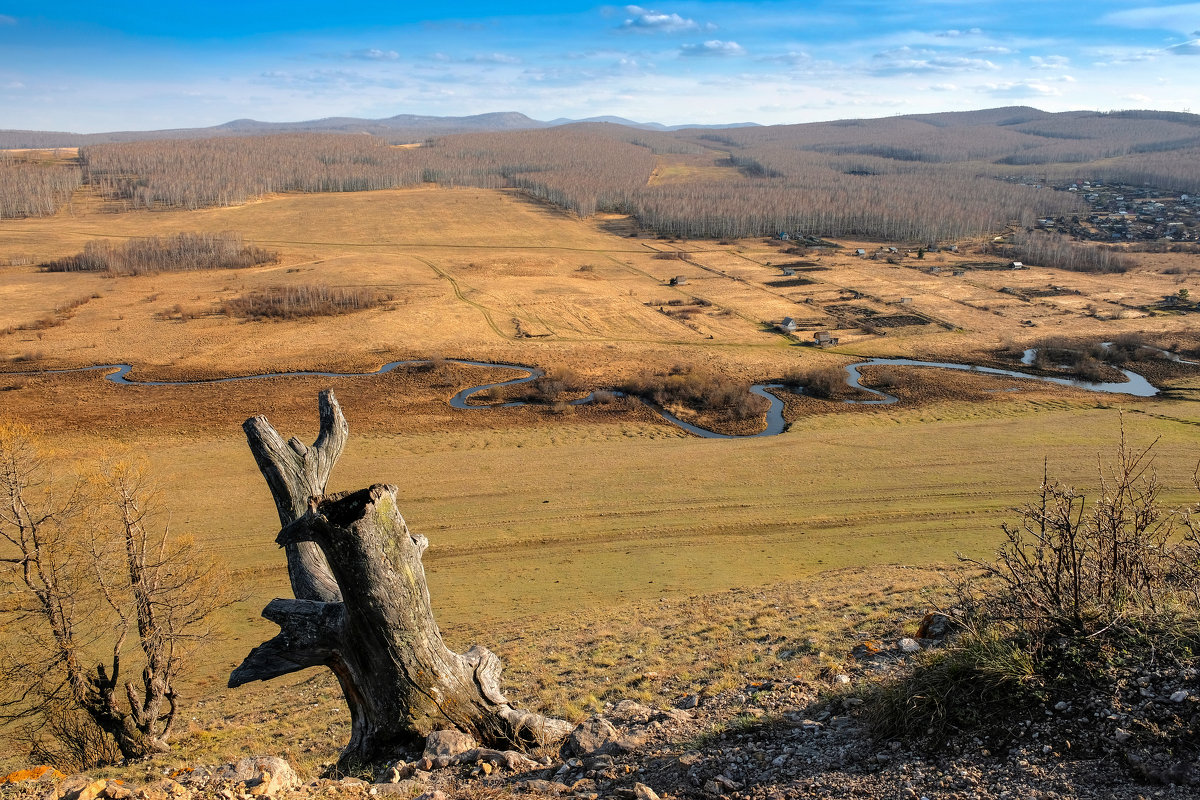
(559, 532)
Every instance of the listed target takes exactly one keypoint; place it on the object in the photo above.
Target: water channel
(1134, 385)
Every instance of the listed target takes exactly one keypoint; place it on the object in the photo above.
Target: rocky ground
(1130, 733)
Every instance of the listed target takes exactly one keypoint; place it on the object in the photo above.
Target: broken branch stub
(400, 680)
(296, 473)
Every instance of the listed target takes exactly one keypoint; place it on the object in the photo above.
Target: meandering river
(1134, 385)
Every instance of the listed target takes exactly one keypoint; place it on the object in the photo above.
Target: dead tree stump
(362, 609)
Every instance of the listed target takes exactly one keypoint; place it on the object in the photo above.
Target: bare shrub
(307, 300)
(1077, 586)
(822, 382)
(88, 566)
(699, 391)
(1078, 567)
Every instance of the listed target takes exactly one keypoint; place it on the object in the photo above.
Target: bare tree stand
(362, 609)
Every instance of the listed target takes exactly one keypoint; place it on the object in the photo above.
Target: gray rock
(408, 788)
(1123, 735)
(689, 702)
(1180, 696)
(594, 736)
(543, 787)
(598, 762)
(643, 792)
(908, 645)
(442, 746)
(630, 710)
(673, 714)
(934, 626)
(270, 772)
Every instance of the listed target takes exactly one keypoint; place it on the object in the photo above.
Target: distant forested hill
(925, 177)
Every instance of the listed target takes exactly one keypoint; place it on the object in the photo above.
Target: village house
(822, 338)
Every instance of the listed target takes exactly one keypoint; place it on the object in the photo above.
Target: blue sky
(127, 65)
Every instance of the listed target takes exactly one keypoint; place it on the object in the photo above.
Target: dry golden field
(537, 515)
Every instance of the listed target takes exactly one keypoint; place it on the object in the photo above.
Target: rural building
(905, 301)
(958, 273)
(860, 252)
(1017, 265)
(822, 338)
(788, 325)
(679, 280)
(789, 271)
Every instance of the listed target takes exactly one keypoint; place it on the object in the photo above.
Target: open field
(540, 518)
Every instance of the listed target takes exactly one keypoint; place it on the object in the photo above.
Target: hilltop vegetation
(921, 178)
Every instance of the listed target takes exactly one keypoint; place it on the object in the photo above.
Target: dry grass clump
(307, 300)
(61, 314)
(152, 254)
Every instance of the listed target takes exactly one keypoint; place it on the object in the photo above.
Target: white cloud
(1111, 57)
(905, 60)
(955, 34)
(991, 50)
(1020, 89)
(478, 58)
(648, 21)
(493, 58)
(374, 54)
(1137, 98)
(713, 47)
(1183, 18)
(1049, 62)
(1191, 48)
(944, 87)
(5, 19)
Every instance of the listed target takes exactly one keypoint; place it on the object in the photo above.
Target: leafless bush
(550, 387)
(699, 391)
(178, 253)
(1076, 566)
(1077, 590)
(88, 566)
(823, 382)
(307, 300)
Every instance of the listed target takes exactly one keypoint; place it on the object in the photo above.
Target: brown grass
(637, 510)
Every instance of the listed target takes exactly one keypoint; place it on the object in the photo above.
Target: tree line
(1046, 249)
(35, 190)
(181, 252)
